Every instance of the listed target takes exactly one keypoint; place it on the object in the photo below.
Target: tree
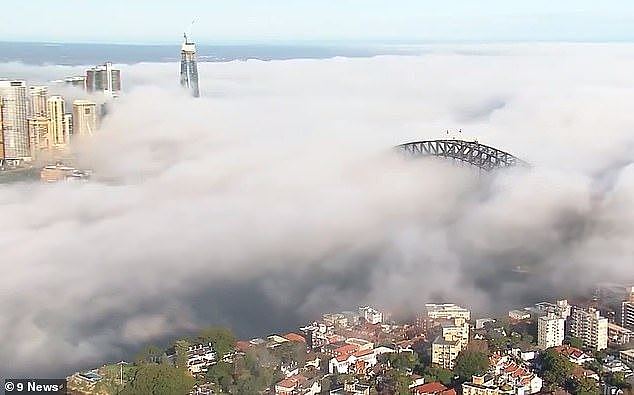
(221, 374)
(150, 353)
(288, 352)
(600, 355)
(401, 361)
(528, 338)
(399, 382)
(159, 379)
(594, 365)
(181, 346)
(434, 373)
(585, 386)
(247, 384)
(469, 363)
(556, 368)
(618, 380)
(575, 342)
(222, 339)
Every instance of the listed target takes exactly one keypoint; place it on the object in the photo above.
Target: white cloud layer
(276, 197)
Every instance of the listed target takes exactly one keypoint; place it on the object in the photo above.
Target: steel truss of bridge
(471, 152)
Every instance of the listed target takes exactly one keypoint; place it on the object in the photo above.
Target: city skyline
(280, 197)
(381, 205)
(36, 125)
(350, 20)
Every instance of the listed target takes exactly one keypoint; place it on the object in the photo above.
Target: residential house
(574, 354)
(298, 385)
(433, 388)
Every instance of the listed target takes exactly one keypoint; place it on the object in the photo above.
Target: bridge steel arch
(482, 156)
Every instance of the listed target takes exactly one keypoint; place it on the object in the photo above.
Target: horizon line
(316, 42)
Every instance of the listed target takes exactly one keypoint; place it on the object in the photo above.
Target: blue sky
(144, 21)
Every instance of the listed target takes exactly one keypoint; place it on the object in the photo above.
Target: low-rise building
(519, 315)
(433, 388)
(627, 356)
(513, 380)
(481, 385)
(619, 335)
(200, 357)
(316, 334)
(574, 354)
(481, 322)
(616, 365)
(371, 315)
(298, 385)
(352, 358)
(507, 372)
(335, 319)
(351, 388)
(447, 311)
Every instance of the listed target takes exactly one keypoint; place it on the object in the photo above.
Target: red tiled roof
(576, 353)
(341, 358)
(363, 352)
(293, 381)
(294, 337)
(243, 345)
(346, 349)
(430, 388)
(569, 351)
(287, 383)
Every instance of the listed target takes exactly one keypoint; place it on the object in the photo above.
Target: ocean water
(80, 54)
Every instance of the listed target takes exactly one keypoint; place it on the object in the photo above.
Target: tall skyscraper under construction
(189, 70)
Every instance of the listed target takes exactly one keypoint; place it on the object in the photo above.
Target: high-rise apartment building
(14, 105)
(40, 139)
(590, 327)
(105, 79)
(627, 311)
(1, 135)
(455, 332)
(84, 118)
(59, 123)
(453, 339)
(189, 69)
(37, 98)
(550, 331)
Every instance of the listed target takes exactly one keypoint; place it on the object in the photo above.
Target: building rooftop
(441, 340)
(628, 353)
